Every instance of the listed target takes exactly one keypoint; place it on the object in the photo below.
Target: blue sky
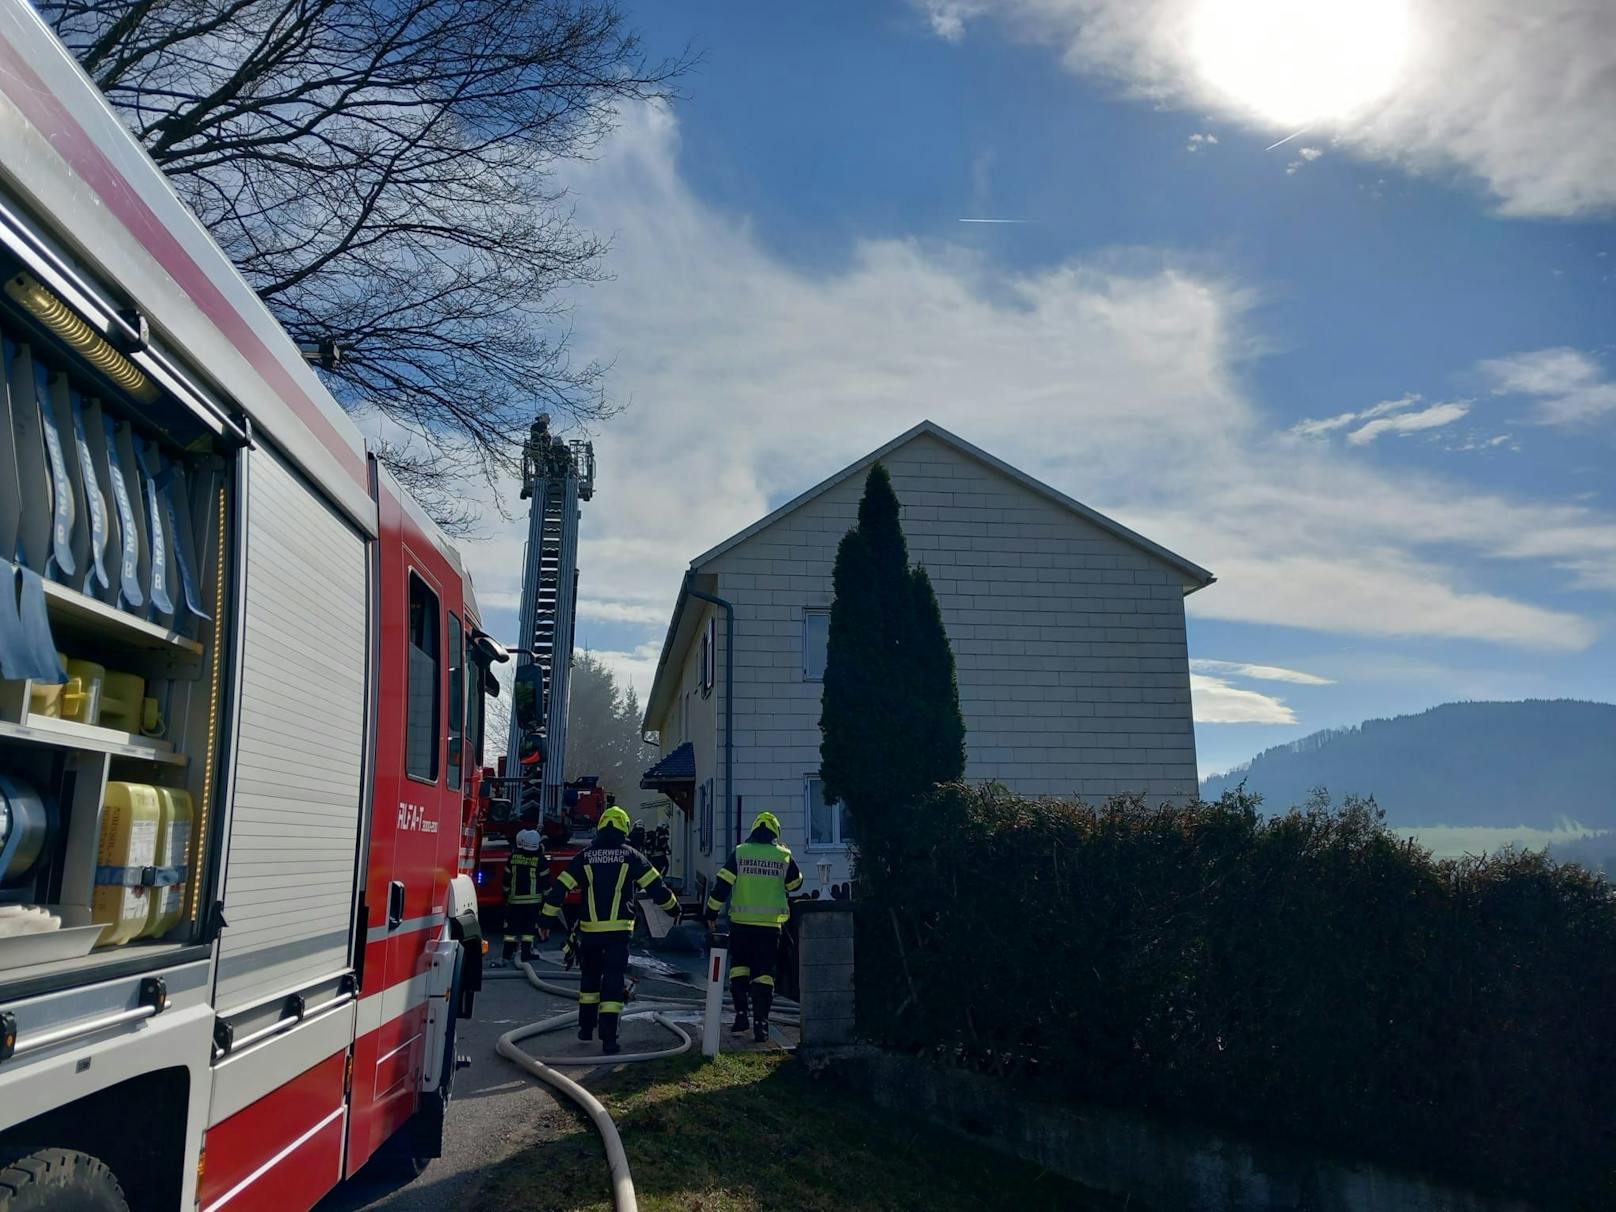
(1368, 377)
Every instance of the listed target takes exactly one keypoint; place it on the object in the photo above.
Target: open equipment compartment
(116, 517)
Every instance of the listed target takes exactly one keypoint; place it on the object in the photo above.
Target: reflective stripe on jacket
(524, 877)
(610, 872)
(755, 880)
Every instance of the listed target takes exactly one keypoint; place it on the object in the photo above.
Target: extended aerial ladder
(556, 476)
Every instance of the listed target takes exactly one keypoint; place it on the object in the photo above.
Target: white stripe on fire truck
(380, 934)
(276, 1160)
(242, 1078)
(390, 1003)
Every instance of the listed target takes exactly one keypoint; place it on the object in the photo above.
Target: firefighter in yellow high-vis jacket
(756, 881)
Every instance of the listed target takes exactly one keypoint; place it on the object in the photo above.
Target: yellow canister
(45, 698)
(122, 697)
(173, 850)
(131, 816)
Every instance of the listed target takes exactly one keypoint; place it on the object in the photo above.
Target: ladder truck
(557, 476)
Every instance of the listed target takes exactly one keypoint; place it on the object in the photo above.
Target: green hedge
(1308, 977)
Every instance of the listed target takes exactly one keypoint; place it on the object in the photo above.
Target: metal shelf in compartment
(74, 611)
(69, 734)
(72, 940)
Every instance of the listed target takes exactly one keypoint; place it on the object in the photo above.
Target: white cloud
(1305, 156)
(1454, 841)
(1325, 425)
(1386, 406)
(1262, 673)
(621, 612)
(1594, 572)
(1389, 416)
(1433, 417)
(1569, 386)
(633, 668)
(1495, 441)
(948, 17)
(1119, 382)
(1381, 593)
(1199, 140)
(1217, 702)
(1518, 95)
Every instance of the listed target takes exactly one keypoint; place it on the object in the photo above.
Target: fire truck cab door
(415, 825)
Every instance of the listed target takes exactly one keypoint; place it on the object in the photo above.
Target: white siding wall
(1073, 669)
(702, 725)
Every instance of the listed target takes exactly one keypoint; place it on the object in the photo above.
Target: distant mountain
(1536, 763)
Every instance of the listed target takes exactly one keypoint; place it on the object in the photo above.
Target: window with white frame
(709, 657)
(828, 826)
(704, 815)
(815, 643)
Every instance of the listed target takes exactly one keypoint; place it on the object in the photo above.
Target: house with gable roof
(1067, 630)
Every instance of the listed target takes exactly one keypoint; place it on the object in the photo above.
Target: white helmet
(530, 839)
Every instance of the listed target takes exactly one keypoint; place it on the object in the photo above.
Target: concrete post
(825, 971)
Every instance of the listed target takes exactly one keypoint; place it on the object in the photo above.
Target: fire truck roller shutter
(290, 870)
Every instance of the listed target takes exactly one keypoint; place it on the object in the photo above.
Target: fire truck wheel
(58, 1180)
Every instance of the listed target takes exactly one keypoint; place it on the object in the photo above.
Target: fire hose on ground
(542, 1067)
(623, 1198)
(790, 1018)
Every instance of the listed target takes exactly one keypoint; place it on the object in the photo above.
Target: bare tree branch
(381, 172)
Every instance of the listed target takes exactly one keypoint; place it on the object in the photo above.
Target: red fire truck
(237, 918)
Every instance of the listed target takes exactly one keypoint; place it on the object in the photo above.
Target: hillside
(1531, 763)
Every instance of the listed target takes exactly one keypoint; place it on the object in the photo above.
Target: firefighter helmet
(614, 818)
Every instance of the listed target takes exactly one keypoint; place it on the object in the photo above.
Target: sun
(1295, 63)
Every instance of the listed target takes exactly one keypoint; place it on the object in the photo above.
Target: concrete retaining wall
(1158, 1165)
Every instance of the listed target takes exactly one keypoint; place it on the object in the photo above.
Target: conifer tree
(890, 722)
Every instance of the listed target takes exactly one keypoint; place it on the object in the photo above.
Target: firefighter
(756, 880)
(532, 752)
(610, 872)
(525, 878)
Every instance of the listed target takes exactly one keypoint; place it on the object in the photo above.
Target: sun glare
(1298, 62)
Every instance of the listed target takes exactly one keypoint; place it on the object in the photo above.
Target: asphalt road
(497, 1109)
